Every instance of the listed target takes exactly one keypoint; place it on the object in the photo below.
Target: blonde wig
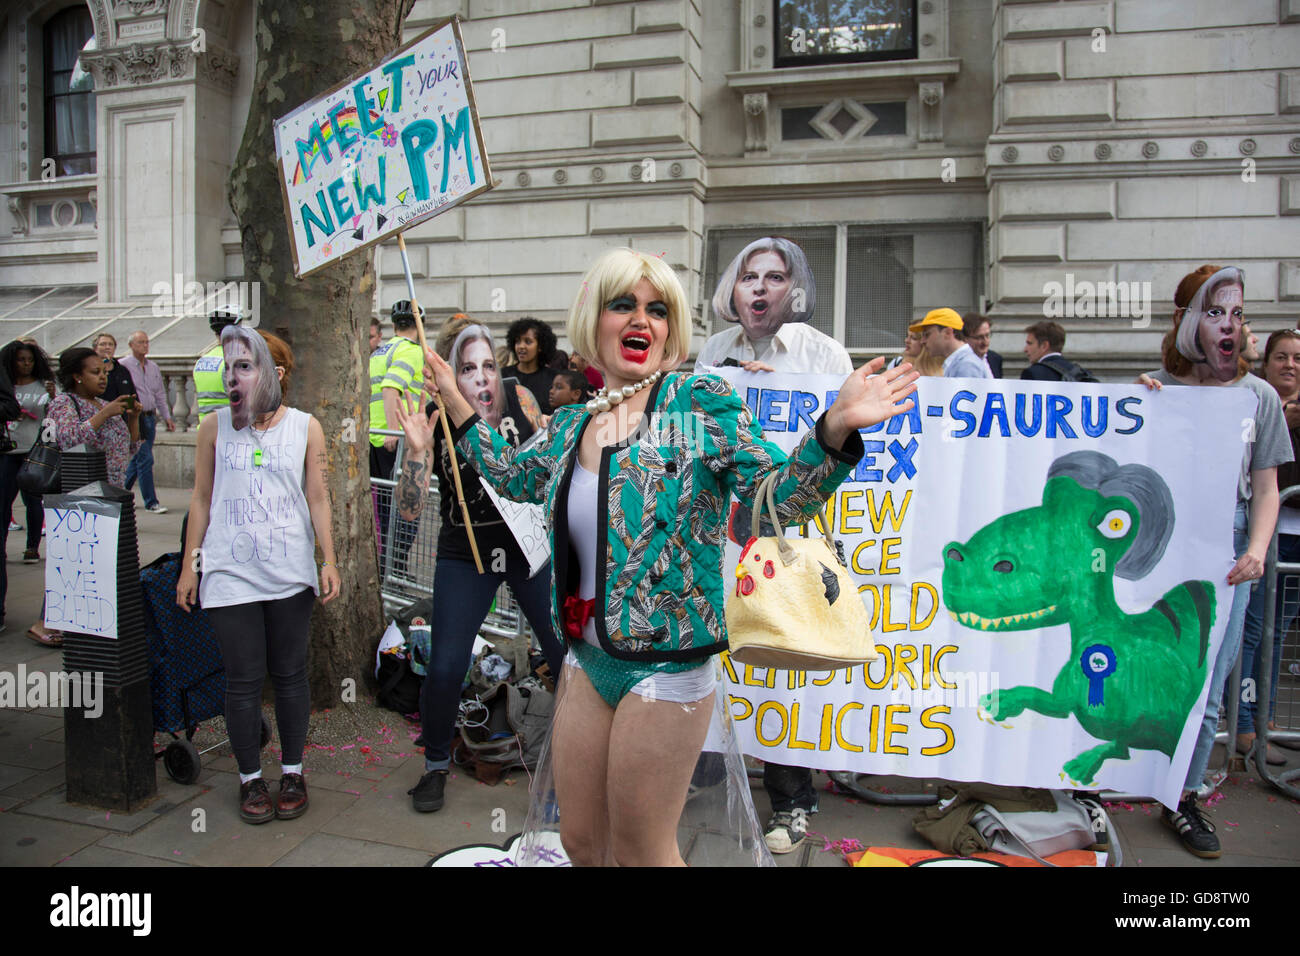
(613, 274)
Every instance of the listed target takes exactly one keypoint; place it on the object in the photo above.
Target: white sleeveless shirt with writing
(259, 545)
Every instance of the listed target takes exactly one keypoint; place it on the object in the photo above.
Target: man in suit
(979, 333)
(1043, 341)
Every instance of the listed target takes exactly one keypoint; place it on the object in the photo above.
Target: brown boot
(293, 797)
(255, 805)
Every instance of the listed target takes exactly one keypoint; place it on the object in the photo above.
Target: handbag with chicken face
(794, 606)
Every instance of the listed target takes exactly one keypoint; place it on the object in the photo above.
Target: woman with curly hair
(33, 384)
(533, 345)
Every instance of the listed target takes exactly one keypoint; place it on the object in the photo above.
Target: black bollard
(108, 757)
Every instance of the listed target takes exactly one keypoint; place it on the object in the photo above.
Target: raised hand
(418, 429)
(868, 398)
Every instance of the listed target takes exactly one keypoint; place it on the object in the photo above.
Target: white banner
(1045, 566)
(381, 151)
(81, 568)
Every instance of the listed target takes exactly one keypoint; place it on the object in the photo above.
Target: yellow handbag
(794, 606)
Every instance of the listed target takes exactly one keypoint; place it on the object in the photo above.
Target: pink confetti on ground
(843, 847)
(1216, 797)
(1231, 823)
(355, 793)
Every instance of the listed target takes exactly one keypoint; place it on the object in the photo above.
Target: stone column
(163, 159)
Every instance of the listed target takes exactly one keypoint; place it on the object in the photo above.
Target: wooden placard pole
(442, 410)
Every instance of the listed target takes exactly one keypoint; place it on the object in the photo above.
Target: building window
(811, 32)
(69, 113)
(872, 280)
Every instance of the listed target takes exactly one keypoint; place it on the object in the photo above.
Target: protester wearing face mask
(1204, 350)
(259, 508)
(462, 596)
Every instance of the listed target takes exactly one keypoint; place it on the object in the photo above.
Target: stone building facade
(1011, 149)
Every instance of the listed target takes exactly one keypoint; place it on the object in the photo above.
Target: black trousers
(257, 639)
(789, 787)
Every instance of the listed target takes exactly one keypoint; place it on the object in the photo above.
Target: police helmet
(403, 316)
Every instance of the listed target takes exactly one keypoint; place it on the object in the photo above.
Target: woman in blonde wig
(635, 506)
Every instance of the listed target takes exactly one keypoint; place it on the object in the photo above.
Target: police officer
(210, 369)
(396, 372)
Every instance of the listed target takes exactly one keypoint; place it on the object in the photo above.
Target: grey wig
(796, 264)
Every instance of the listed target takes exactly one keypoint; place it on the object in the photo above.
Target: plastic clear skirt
(717, 827)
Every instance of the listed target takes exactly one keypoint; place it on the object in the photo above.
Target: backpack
(399, 686)
(1069, 371)
(1077, 823)
(504, 728)
(399, 682)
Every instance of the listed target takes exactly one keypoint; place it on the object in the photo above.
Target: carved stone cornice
(139, 64)
(140, 8)
(218, 67)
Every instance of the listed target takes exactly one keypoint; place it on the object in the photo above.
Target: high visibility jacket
(210, 381)
(398, 364)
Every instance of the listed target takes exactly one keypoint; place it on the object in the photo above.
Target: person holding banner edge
(756, 291)
(639, 591)
(1203, 349)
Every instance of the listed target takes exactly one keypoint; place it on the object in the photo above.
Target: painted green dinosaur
(1131, 679)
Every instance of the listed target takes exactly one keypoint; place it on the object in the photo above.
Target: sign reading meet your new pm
(382, 151)
(1045, 569)
(81, 565)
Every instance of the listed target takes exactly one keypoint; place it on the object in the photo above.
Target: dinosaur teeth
(953, 614)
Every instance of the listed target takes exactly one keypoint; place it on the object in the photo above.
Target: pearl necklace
(606, 399)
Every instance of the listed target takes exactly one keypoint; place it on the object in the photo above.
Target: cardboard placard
(381, 151)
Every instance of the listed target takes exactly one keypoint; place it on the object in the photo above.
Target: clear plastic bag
(717, 827)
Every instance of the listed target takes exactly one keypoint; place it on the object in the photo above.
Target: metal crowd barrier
(1278, 574)
(408, 550)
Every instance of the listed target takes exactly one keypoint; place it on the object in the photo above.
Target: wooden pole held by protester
(442, 411)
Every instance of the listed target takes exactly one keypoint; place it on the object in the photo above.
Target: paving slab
(217, 836)
(101, 856)
(39, 783)
(35, 841)
(326, 849)
(169, 797)
(383, 814)
(32, 752)
(9, 776)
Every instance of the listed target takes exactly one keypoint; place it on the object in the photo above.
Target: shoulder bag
(794, 605)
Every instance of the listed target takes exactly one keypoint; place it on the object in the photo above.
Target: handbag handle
(766, 495)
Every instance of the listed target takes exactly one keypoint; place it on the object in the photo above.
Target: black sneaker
(1195, 832)
(786, 830)
(426, 796)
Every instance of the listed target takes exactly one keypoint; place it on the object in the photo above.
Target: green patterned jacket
(662, 499)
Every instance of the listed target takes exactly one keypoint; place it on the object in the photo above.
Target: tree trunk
(303, 50)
